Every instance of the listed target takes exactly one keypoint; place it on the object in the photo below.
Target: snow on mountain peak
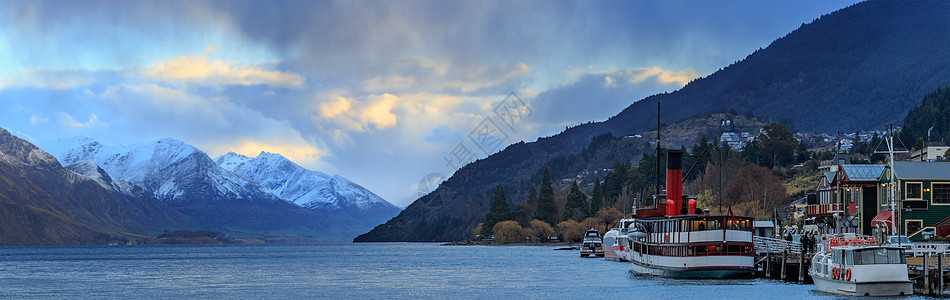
(290, 181)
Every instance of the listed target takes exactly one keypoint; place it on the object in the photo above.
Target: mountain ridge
(310, 189)
(43, 203)
(872, 58)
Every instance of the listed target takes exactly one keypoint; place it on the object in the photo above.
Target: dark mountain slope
(858, 68)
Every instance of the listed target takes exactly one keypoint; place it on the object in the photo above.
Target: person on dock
(806, 243)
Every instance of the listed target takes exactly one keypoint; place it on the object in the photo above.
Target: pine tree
(576, 207)
(498, 211)
(546, 210)
(597, 200)
(533, 197)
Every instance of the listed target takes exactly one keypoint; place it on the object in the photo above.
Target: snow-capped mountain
(170, 169)
(192, 183)
(45, 204)
(94, 172)
(313, 190)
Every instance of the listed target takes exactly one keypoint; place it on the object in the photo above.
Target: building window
(913, 190)
(912, 226)
(941, 193)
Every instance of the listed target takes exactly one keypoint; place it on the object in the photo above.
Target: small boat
(616, 242)
(593, 244)
(852, 265)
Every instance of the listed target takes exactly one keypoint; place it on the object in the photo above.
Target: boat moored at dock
(851, 265)
(675, 239)
(593, 244)
(616, 242)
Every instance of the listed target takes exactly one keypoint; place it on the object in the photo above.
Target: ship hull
(704, 272)
(873, 289)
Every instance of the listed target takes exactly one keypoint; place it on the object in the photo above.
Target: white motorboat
(851, 265)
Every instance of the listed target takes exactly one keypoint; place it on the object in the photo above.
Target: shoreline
(490, 243)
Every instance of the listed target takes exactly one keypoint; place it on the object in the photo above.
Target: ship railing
(773, 245)
(930, 249)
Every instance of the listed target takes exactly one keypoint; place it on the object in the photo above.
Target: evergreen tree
(801, 153)
(546, 210)
(777, 145)
(597, 200)
(576, 207)
(533, 197)
(498, 211)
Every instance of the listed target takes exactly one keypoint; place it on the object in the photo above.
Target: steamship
(675, 239)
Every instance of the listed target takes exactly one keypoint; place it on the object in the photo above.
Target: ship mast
(892, 186)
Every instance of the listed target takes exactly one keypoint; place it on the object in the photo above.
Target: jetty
(780, 259)
(928, 265)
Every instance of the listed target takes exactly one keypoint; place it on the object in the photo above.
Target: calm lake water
(349, 271)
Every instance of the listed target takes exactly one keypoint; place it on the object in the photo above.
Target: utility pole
(657, 178)
(720, 179)
(893, 185)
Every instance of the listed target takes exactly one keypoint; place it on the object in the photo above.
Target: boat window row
(717, 249)
(874, 256)
(699, 224)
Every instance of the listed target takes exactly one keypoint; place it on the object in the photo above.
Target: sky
(392, 95)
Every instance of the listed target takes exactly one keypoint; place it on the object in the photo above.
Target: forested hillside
(855, 69)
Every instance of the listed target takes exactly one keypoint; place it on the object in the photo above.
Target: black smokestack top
(674, 159)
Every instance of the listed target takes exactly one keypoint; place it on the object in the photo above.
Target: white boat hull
(874, 289)
(708, 267)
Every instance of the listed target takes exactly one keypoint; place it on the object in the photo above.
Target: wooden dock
(782, 260)
(930, 273)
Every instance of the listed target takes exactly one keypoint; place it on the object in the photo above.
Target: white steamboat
(676, 240)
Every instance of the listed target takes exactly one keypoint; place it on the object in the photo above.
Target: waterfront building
(923, 195)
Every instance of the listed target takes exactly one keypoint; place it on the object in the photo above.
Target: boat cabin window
(609, 241)
(879, 256)
(848, 257)
(592, 234)
(836, 256)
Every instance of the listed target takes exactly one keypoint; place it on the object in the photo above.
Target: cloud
(388, 83)
(218, 125)
(68, 120)
(200, 69)
(598, 95)
(52, 79)
(371, 112)
(609, 82)
(681, 78)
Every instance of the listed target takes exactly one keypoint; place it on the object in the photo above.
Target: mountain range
(313, 190)
(43, 203)
(858, 68)
(195, 192)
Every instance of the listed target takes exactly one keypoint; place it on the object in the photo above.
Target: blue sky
(381, 92)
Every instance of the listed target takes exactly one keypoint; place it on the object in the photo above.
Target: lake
(384, 270)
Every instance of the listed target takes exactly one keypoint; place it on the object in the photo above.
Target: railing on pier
(929, 249)
(773, 245)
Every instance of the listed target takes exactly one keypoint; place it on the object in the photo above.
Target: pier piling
(801, 268)
(940, 273)
(784, 261)
(926, 276)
